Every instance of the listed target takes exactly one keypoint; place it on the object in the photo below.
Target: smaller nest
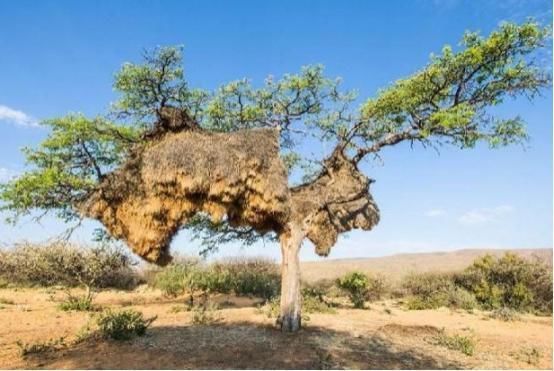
(337, 201)
(238, 176)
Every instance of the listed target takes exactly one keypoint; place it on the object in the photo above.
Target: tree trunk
(290, 317)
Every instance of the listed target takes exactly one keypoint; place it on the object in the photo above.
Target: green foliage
(447, 100)
(313, 301)
(146, 88)
(356, 284)
(177, 278)
(122, 325)
(461, 343)
(256, 277)
(509, 281)
(66, 165)
(62, 263)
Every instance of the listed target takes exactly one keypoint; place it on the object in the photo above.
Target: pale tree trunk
(290, 317)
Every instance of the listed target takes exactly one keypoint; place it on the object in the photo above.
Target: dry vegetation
(222, 315)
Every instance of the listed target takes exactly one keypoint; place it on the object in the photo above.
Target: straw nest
(235, 175)
(337, 201)
(180, 170)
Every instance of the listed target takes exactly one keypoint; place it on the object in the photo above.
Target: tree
(446, 102)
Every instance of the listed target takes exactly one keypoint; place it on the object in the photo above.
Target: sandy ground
(382, 337)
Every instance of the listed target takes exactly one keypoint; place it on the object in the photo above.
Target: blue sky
(60, 56)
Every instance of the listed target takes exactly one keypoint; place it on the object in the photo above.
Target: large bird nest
(180, 170)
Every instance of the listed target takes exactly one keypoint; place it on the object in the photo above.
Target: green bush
(256, 277)
(178, 278)
(62, 263)
(510, 281)
(356, 285)
(313, 301)
(122, 325)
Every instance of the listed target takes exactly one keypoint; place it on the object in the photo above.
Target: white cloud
(481, 216)
(7, 174)
(16, 117)
(435, 212)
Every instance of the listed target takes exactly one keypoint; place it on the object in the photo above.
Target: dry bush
(431, 290)
(205, 314)
(70, 265)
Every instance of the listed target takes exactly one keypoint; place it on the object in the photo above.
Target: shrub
(205, 314)
(313, 301)
(256, 277)
(510, 281)
(122, 325)
(62, 263)
(461, 298)
(177, 278)
(427, 284)
(504, 314)
(377, 289)
(461, 343)
(356, 285)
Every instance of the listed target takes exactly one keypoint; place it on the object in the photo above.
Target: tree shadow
(242, 345)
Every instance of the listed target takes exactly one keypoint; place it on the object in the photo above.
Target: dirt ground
(382, 337)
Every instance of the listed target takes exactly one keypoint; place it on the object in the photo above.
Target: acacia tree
(446, 102)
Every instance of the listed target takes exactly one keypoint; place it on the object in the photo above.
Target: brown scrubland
(193, 314)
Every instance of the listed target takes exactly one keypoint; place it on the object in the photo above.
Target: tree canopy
(446, 102)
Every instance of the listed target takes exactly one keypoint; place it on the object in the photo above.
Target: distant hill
(396, 266)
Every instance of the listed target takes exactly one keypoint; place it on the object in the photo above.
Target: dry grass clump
(26, 349)
(238, 175)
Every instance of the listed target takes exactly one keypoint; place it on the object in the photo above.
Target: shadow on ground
(241, 345)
